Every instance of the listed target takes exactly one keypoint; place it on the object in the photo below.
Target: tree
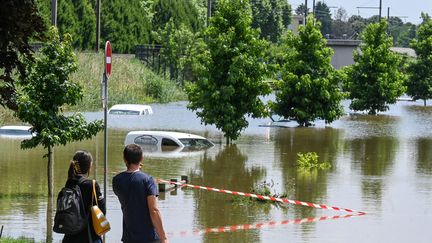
(19, 23)
(419, 83)
(187, 13)
(126, 25)
(374, 80)
(44, 90)
(179, 46)
(310, 85)
(322, 14)
(301, 9)
(341, 28)
(272, 17)
(230, 80)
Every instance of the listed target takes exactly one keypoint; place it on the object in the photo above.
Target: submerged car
(168, 144)
(21, 132)
(130, 109)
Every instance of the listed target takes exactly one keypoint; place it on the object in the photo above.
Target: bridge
(343, 51)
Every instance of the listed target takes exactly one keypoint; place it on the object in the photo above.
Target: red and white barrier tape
(275, 199)
(270, 224)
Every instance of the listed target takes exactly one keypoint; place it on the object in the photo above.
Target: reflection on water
(380, 164)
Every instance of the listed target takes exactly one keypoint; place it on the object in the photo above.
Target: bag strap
(94, 193)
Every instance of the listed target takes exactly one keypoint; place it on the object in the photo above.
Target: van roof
(177, 135)
(133, 107)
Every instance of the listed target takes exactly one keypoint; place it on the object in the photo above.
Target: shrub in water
(310, 160)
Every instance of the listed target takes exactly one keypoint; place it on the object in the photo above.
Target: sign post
(105, 78)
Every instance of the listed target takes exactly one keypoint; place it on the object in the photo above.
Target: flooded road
(380, 164)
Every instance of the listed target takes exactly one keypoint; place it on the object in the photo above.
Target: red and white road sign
(108, 59)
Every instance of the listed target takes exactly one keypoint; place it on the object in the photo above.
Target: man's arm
(156, 218)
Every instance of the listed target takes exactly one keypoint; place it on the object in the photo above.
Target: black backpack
(70, 216)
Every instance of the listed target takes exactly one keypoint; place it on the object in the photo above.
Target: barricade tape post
(275, 199)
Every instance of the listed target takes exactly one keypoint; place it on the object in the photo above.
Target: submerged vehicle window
(14, 132)
(124, 112)
(169, 142)
(196, 142)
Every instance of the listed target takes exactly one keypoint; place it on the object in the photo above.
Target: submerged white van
(168, 144)
(130, 109)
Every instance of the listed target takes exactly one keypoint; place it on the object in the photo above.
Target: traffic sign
(108, 59)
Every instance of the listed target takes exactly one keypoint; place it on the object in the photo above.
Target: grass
(130, 82)
(17, 240)
(7, 117)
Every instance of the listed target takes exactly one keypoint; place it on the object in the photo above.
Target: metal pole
(54, 12)
(313, 8)
(380, 7)
(306, 10)
(388, 14)
(105, 78)
(98, 4)
(209, 3)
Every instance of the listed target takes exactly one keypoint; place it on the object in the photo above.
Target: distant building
(296, 21)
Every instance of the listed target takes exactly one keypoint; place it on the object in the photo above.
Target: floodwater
(381, 165)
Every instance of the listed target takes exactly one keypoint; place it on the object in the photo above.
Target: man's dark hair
(132, 153)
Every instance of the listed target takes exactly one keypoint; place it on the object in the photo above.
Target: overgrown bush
(310, 160)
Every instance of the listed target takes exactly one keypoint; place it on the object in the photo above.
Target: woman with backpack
(78, 174)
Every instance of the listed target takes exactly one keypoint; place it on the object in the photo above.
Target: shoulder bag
(100, 223)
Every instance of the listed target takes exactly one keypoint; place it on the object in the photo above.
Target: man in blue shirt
(137, 194)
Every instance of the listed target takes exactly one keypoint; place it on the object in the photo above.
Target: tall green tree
(231, 77)
(341, 28)
(322, 14)
(187, 13)
(44, 90)
(301, 9)
(310, 85)
(20, 23)
(75, 17)
(374, 80)
(126, 25)
(179, 46)
(419, 83)
(272, 17)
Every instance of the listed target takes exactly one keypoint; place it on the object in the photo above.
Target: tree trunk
(49, 214)
(424, 102)
(227, 140)
(50, 169)
(49, 220)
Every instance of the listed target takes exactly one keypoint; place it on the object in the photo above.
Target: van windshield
(124, 112)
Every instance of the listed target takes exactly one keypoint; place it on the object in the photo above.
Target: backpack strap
(87, 216)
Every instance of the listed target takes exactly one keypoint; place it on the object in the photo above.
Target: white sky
(408, 8)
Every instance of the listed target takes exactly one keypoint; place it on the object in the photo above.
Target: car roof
(133, 107)
(168, 134)
(23, 128)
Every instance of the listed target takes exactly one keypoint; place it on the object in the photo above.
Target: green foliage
(310, 160)
(264, 189)
(130, 82)
(17, 240)
(419, 83)
(126, 23)
(180, 45)
(19, 23)
(374, 80)
(323, 15)
(272, 17)
(230, 79)
(189, 14)
(45, 89)
(309, 89)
